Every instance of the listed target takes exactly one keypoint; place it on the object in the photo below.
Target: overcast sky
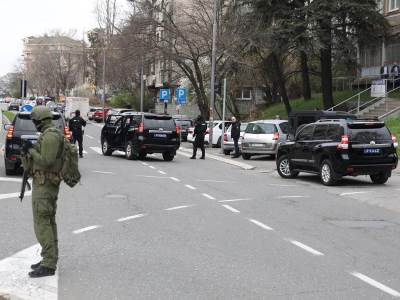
(23, 18)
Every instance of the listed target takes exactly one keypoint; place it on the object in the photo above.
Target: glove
(26, 146)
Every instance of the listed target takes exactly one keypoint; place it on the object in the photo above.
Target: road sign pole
(223, 118)
(141, 87)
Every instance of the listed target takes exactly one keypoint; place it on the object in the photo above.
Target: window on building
(394, 4)
(244, 94)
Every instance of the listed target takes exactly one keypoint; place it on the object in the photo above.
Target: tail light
(394, 140)
(67, 134)
(178, 129)
(276, 136)
(141, 128)
(10, 132)
(225, 137)
(344, 143)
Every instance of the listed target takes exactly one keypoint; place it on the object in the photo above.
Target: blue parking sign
(26, 108)
(181, 96)
(165, 95)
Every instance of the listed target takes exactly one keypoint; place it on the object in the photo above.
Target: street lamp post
(103, 94)
(213, 71)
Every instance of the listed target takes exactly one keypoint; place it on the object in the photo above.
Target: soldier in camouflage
(44, 162)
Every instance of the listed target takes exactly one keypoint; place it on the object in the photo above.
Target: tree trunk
(305, 75)
(277, 76)
(326, 76)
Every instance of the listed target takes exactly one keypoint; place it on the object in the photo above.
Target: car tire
(11, 172)
(105, 148)
(246, 156)
(168, 156)
(130, 152)
(227, 152)
(380, 178)
(327, 174)
(284, 168)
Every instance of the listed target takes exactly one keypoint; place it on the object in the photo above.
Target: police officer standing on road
(43, 161)
(75, 126)
(200, 129)
(235, 134)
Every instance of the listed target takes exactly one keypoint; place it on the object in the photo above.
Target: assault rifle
(25, 183)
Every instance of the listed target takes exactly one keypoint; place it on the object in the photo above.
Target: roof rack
(329, 120)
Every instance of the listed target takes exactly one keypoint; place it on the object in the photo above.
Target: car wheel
(284, 168)
(380, 178)
(11, 171)
(227, 152)
(105, 148)
(130, 151)
(168, 156)
(246, 156)
(328, 176)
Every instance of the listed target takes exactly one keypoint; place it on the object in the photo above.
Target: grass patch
(394, 127)
(9, 115)
(278, 109)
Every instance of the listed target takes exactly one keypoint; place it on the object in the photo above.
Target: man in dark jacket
(199, 133)
(235, 134)
(75, 126)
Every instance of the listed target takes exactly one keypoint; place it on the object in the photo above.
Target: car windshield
(24, 122)
(366, 135)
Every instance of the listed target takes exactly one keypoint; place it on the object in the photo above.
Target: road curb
(232, 162)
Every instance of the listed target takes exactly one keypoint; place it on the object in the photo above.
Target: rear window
(261, 128)
(366, 135)
(159, 122)
(24, 122)
(184, 123)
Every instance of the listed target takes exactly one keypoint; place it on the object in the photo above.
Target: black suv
(139, 134)
(336, 148)
(22, 125)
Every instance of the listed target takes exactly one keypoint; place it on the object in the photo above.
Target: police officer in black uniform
(199, 133)
(75, 126)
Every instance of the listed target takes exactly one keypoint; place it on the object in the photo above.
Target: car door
(119, 139)
(302, 149)
(319, 138)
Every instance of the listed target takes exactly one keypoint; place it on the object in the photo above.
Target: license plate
(372, 151)
(160, 135)
(258, 145)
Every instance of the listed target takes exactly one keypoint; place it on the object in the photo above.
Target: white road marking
(151, 167)
(150, 176)
(178, 207)
(97, 150)
(103, 172)
(352, 193)
(234, 200)
(175, 179)
(306, 248)
(14, 195)
(86, 229)
(15, 283)
(162, 172)
(234, 210)
(145, 164)
(84, 152)
(131, 218)
(294, 196)
(376, 284)
(90, 137)
(208, 196)
(262, 225)
(190, 187)
(11, 179)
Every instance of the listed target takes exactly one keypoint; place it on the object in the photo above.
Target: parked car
(263, 137)
(139, 134)
(118, 111)
(91, 112)
(337, 148)
(22, 125)
(299, 119)
(185, 125)
(217, 133)
(228, 141)
(100, 114)
(13, 106)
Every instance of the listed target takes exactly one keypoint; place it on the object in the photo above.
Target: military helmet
(40, 113)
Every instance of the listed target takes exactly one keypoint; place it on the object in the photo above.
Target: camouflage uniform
(44, 163)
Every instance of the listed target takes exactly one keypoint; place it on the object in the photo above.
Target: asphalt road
(209, 230)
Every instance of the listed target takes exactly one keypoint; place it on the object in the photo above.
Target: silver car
(228, 141)
(263, 137)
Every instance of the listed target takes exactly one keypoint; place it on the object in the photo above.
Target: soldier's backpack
(70, 171)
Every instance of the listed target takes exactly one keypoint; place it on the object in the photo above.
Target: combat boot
(35, 266)
(42, 272)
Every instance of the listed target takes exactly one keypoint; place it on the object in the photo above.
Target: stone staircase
(385, 108)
